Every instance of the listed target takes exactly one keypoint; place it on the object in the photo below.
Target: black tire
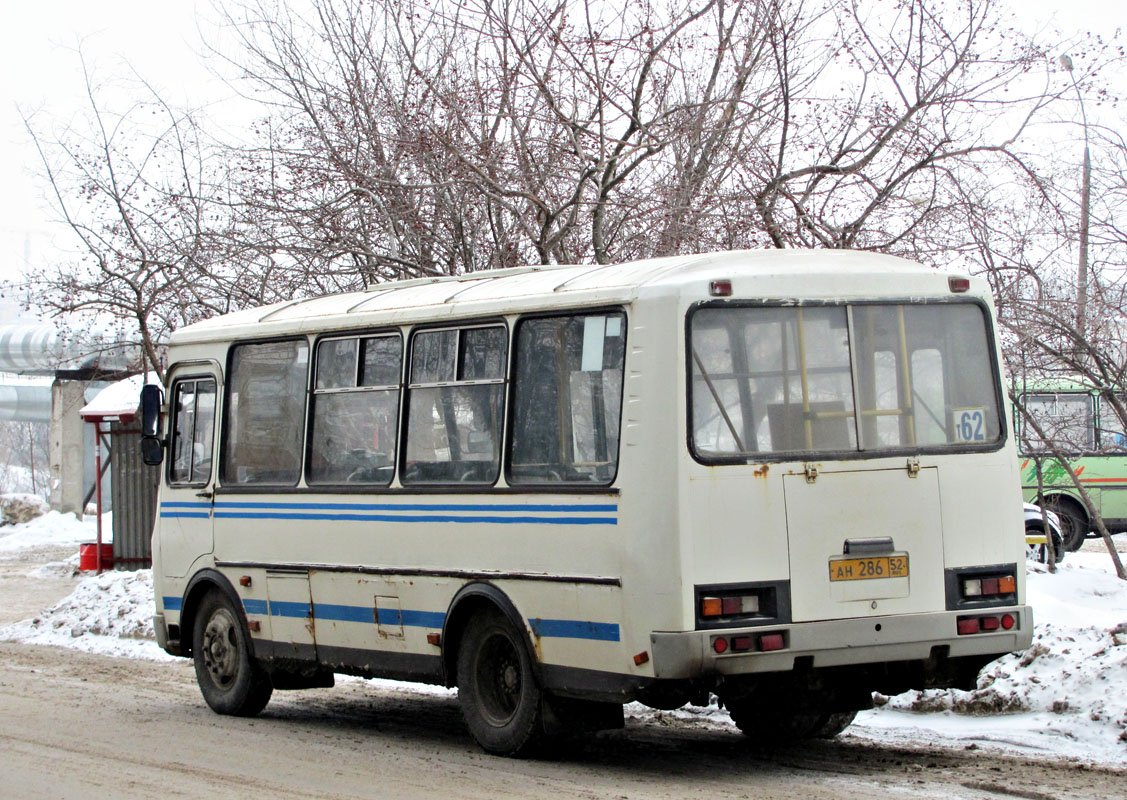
(1073, 526)
(230, 680)
(497, 688)
(777, 727)
(835, 724)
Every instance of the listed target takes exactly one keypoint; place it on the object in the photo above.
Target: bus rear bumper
(873, 640)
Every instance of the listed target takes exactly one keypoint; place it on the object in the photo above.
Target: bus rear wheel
(1073, 526)
(778, 726)
(497, 689)
(230, 680)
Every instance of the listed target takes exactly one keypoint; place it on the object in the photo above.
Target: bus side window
(1112, 436)
(1065, 417)
(264, 414)
(193, 426)
(567, 399)
(353, 425)
(455, 405)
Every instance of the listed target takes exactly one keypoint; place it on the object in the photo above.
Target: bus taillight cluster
(971, 625)
(989, 587)
(750, 643)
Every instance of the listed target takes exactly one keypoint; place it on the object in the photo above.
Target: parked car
(1036, 542)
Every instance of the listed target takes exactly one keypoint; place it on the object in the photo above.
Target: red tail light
(967, 626)
(771, 641)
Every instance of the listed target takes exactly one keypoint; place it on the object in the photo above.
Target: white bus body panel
(604, 580)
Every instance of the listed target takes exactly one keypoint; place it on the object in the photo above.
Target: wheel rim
(221, 648)
(498, 679)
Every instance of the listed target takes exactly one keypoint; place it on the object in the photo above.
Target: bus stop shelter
(114, 413)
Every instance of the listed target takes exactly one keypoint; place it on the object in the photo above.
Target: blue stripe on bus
(574, 508)
(172, 603)
(387, 616)
(185, 510)
(412, 619)
(330, 611)
(286, 608)
(400, 513)
(575, 629)
(256, 607)
(416, 518)
(544, 628)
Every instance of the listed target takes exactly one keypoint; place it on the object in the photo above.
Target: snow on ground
(110, 614)
(53, 529)
(1064, 697)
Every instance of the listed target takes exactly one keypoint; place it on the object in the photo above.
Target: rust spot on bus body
(762, 471)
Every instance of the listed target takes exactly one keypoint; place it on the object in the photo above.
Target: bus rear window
(768, 381)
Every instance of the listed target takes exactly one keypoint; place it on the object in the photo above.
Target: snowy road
(74, 724)
(121, 723)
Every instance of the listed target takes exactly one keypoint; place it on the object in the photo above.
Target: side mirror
(152, 448)
(151, 399)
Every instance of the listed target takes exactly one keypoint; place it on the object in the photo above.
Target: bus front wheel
(497, 690)
(230, 680)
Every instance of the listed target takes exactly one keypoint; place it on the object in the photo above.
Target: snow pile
(111, 614)
(1066, 694)
(20, 508)
(52, 530)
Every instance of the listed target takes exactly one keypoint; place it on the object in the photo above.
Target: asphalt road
(77, 725)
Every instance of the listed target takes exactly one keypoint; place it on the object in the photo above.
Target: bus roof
(779, 274)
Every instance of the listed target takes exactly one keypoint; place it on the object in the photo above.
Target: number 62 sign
(969, 424)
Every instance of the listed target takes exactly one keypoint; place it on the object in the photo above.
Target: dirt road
(76, 725)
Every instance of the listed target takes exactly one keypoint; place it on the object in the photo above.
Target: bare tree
(23, 457)
(137, 189)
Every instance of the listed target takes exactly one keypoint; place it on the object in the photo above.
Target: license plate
(869, 568)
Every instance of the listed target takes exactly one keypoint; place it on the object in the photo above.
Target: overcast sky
(160, 40)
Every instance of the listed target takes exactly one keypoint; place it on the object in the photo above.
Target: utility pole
(1085, 205)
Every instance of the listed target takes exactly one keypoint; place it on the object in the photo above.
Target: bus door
(864, 543)
(186, 501)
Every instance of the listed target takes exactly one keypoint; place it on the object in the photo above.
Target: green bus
(1083, 426)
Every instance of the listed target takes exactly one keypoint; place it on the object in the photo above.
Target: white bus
(783, 478)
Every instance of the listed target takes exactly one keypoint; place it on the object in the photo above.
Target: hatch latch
(811, 472)
(913, 467)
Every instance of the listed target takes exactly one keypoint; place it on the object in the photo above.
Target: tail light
(968, 626)
(750, 643)
(733, 605)
(981, 587)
